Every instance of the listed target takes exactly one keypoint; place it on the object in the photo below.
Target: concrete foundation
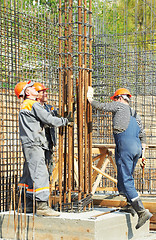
(73, 226)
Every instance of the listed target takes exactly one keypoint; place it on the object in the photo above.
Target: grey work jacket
(32, 118)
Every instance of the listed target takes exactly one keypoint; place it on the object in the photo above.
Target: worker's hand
(143, 162)
(70, 119)
(58, 115)
(90, 94)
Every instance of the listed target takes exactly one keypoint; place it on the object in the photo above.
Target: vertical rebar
(33, 234)
(25, 217)
(80, 115)
(85, 76)
(89, 105)
(70, 102)
(65, 99)
(60, 109)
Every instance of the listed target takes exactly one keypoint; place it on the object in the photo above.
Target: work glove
(70, 119)
(90, 94)
(143, 162)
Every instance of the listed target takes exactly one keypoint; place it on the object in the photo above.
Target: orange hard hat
(121, 91)
(39, 86)
(21, 87)
(18, 88)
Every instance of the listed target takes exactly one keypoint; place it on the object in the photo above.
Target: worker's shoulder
(27, 104)
(49, 106)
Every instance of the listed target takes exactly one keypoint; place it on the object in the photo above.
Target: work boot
(42, 209)
(129, 209)
(143, 214)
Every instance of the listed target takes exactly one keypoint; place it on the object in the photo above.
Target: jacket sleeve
(46, 117)
(106, 107)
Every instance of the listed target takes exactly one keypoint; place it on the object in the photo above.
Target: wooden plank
(54, 176)
(97, 157)
(96, 183)
(104, 145)
(108, 189)
(150, 205)
(153, 218)
(119, 203)
(113, 145)
(103, 154)
(109, 203)
(113, 163)
(152, 226)
(105, 174)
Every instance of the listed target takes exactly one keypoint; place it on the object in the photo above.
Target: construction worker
(32, 119)
(50, 131)
(130, 139)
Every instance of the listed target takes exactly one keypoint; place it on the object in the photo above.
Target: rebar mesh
(29, 51)
(124, 56)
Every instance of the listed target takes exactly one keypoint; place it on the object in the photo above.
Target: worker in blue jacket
(130, 139)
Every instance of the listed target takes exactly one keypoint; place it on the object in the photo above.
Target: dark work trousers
(128, 151)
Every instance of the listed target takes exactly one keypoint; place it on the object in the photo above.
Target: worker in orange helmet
(130, 139)
(32, 119)
(51, 133)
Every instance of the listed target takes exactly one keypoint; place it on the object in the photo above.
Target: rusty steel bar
(85, 102)
(86, 175)
(70, 102)
(17, 221)
(25, 216)
(1, 102)
(10, 208)
(89, 106)
(14, 205)
(80, 116)
(65, 155)
(64, 100)
(33, 223)
(60, 110)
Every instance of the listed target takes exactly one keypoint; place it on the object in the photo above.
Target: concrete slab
(73, 226)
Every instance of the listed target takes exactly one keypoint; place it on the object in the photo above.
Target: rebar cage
(111, 44)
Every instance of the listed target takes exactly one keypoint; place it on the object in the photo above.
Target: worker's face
(42, 96)
(31, 92)
(120, 99)
(117, 99)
